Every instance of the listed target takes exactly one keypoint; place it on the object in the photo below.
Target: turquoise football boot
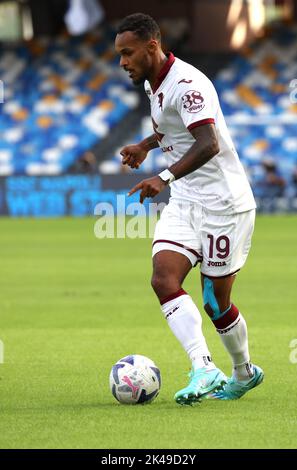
(235, 389)
(202, 382)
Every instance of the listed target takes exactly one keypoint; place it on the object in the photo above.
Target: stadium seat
(62, 96)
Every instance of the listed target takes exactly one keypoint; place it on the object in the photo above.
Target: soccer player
(210, 215)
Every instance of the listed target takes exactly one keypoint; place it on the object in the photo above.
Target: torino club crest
(193, 101)
(160, 99)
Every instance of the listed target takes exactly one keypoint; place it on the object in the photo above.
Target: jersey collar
(164, 71)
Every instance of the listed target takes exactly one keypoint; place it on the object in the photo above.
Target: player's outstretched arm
(203, 149)
(134, 155)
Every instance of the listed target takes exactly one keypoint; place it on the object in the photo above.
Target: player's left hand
(149, 187)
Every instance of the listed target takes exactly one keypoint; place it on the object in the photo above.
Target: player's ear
(152, 46)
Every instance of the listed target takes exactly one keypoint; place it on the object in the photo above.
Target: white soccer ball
(135, 379)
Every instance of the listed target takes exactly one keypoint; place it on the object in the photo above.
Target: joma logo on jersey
(184, 81)
(216, 263)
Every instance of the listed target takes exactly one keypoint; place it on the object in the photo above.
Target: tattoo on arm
(150, 143)
(203, 149)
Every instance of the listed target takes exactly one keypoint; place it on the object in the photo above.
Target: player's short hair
(144, 26)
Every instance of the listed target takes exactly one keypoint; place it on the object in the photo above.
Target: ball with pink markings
(135, 379)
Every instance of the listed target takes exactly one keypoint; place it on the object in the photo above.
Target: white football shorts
(221, 243)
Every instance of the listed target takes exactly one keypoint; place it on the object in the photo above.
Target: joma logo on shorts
(216, 263)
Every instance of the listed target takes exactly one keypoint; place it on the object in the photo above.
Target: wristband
(166, 176)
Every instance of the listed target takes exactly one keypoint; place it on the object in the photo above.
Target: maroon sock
(173, 296)
(227, 319)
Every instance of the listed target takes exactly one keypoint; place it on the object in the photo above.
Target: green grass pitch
(71, 305)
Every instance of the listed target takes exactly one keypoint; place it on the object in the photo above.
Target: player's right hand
(133, 155)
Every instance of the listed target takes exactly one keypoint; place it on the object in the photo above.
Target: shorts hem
(180, 245)
(223, 275)
(163, 245)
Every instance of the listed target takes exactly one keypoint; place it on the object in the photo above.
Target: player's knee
(157, 283)
(164, 285)
(216, 303)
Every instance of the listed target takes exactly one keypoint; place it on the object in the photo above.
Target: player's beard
(138, 81)
(141, 77)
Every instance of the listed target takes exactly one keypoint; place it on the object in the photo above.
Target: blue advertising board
(78, 195)
(73, 195)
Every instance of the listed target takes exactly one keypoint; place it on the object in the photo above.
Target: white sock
(185, 322)
(235, 340)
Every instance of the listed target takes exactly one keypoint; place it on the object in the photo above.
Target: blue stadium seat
(62, 96)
